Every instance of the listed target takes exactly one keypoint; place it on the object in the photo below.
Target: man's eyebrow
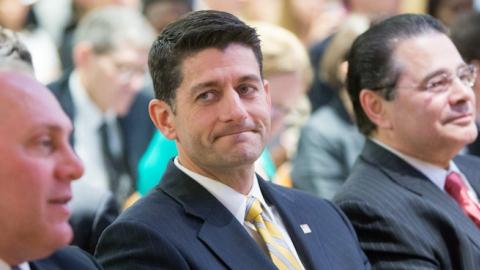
(213, 83)
(251, 77)
(441, 71)
(203, 85)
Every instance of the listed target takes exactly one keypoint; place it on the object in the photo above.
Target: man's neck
(438, 156)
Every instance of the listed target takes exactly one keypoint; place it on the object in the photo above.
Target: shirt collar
(5, 266)
(233, 200)
(436, 174)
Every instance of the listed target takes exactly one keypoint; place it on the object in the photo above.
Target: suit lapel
(220, 231)
(307, 245)
(411, 179)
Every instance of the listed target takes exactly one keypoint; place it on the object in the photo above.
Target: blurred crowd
(93, 54)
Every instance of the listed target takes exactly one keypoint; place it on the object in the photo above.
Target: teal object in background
(154, 162)
(161, 150)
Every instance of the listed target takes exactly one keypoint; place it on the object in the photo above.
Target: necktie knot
(253, 210)
(455, 186)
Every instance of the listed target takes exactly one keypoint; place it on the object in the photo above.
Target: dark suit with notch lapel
(68, 258)
(403, 220)
(180, 225)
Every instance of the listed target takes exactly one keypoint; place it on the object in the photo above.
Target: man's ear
(266, 87)
(163, 118)
(376, 108)
(81, 54)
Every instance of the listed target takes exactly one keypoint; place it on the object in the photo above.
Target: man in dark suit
(211, 211)
(103, 97)
(411, 199)
(37, 168)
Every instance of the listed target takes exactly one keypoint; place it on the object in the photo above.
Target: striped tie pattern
(455, 186)
(279, 251)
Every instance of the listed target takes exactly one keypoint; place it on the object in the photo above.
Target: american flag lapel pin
(305, 228)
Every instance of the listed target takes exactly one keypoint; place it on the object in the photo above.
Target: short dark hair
(190, 34)
(465, 34)
(371, 64)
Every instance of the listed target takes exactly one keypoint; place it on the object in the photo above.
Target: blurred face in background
(286, 88)
(113, 79)
(13, 14)
(161, 13)
(448, 10)
(375, 8)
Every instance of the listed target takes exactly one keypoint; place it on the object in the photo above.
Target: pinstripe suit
(403, 220)
(180, 225)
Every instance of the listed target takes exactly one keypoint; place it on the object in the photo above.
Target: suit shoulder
(304, 199)
(468, 160)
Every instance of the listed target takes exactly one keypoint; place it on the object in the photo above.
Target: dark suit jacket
(92, 212)
(136, 127)
(180, 225)
(403, 220)
(68, 258)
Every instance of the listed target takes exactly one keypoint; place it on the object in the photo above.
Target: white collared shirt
(87, 143)
(434, 173)
(5, 266)
(236, 203)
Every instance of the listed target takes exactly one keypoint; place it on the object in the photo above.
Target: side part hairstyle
(371, 64)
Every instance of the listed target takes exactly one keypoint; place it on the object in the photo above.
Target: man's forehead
(426, 52)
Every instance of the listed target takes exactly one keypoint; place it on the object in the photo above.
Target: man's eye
(44, 145)
(206, 96)
(439, 84)
(246, 90)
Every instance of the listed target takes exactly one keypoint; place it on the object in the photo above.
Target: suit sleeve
(366, 263)
(388, 243)
(129, 245)
(318, 166)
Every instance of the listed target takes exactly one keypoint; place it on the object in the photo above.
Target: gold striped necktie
(280, 253)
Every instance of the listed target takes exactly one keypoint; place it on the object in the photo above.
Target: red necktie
(457, 189)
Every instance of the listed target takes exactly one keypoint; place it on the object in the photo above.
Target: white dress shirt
(5, 266)
(87, 143)
(434, 173)
(236, 203)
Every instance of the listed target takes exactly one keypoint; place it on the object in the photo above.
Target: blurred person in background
(321, 92)
(79, 9)
(330, 142)
(18, 16)
(161, 12)
(287, 68)
(38, 166)
(448, 10)
(103, 97)
(465, 34)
